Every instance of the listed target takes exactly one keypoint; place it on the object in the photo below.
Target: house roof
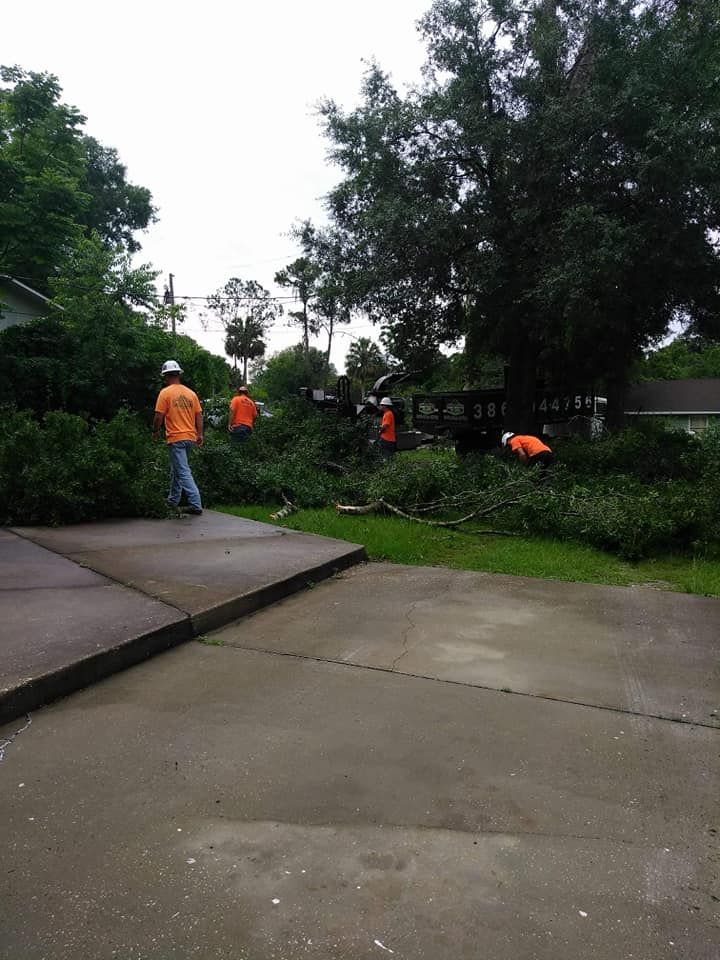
(28, 291)
(674, 396)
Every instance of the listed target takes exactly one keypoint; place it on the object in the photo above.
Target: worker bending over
(529, 450)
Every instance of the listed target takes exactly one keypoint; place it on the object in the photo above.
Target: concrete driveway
(343, 776)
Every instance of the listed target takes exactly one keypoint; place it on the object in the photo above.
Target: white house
(19, 303)
(686, 404)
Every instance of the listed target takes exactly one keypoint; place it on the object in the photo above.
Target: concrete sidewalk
(636, 650)
(81, 602)
(312, 797)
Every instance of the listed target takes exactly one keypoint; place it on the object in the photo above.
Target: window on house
(698, 422)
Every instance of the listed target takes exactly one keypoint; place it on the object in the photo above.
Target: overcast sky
(212, 107)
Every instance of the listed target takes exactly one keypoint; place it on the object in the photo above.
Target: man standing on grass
(388, 436)
(179, 409)
(242, 416)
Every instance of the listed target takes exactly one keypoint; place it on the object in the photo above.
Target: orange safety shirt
(531, 445)
(387, 428)
(179, 405)
(242, 412)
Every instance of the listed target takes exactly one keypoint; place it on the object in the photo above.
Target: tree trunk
(615, 413)
(306, 333)
(245, 363)
(329, 348)
(521, 386)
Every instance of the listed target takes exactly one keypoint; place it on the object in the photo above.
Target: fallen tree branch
(285, 511)
(331, 467)
(374, 507)
(480, 512)
(378, 505)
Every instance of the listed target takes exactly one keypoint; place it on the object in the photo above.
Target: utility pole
(171, 277)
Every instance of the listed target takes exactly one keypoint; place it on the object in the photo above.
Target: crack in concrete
(406, 633)
(6, 741)
(623, 711)
(354, 825)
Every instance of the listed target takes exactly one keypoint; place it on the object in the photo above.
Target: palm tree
(244, 341)
(364, 361)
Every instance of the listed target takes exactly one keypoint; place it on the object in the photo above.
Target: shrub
(649, 452)
(622, 515)
(633, 494)
(64, 469)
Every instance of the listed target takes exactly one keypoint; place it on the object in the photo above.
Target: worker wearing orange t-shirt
(178, 409)
(528, 449)
(388, 436)
(241, 419)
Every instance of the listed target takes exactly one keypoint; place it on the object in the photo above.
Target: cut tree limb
(285, 511)
(377, 506)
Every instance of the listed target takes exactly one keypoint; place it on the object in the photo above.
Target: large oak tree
(550, 191)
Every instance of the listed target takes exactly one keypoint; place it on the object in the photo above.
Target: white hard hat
(505, 438)
(171, 366)
(386, 402)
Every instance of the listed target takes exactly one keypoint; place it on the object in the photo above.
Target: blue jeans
(388, 448)
(180, 476)
(240, 434)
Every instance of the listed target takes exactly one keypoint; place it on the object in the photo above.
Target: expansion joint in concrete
(473, 686)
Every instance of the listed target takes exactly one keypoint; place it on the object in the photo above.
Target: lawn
(400, 541)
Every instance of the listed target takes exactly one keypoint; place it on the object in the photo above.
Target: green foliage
(99, 354)
(311, 458)
(56, 184)
(316, 280)
(615, 515)
(64, 470)
(282, 376)
(246, 311)
(635, 495)
(116, 208)
(301, 276)
(411, 483)
(648, 452)
(364, 363)
(549, 191)
(683, 358)
(401, 541)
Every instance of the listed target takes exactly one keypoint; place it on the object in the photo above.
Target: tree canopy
(317, 281)
(56, 183)
(364, 362)
(246, 311)
(550, 191)
(685, 357)
(287, 371)
(103, 351)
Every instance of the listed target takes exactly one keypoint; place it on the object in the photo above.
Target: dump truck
(472, 419)
(475, 419)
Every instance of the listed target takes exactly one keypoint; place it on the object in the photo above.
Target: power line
(269, 260)
(212, 296)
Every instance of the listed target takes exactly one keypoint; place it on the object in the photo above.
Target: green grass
(400, 541)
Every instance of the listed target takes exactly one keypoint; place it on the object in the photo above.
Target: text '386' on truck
(475, 419)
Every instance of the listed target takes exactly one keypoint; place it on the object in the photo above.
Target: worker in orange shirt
(178, 409)
(388, 436)
(241, 419)
(529, 450)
